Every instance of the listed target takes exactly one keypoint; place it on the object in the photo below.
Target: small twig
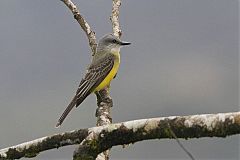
(179, 143)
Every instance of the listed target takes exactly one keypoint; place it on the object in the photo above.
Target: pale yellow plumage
(111, 74)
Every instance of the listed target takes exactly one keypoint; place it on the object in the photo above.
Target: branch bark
(115, 18)
(99, 139)
(103, 114)
(32, 148)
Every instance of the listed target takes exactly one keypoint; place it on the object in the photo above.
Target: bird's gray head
(110, 43)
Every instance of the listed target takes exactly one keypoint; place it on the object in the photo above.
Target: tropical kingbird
(103, 68)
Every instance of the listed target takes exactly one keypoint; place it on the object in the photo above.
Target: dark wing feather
(94, 76)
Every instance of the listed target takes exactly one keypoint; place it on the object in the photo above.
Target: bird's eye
(114, 41)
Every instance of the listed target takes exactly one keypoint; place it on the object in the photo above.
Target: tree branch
(103, 114)
(32, 148)
(102, 138)
(115, 18)
(83, 23)
(104, 106)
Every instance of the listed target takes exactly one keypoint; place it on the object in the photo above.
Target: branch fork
(103, 111)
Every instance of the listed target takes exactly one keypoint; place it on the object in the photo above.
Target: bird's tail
(66, 111)
(75, 102)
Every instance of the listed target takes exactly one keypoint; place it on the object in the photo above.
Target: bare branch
(104, 106)
(115, 18)
(195, 126)
(103, 114)
(83, 23)
(102, 138)
(32, 148)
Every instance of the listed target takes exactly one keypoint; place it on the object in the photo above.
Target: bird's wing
(96, 73)
(94, 76)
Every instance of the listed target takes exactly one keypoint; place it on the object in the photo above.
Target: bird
(103, 68)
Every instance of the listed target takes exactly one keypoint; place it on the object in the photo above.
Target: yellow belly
(110, 76)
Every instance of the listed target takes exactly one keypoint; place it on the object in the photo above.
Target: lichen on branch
(99, 139)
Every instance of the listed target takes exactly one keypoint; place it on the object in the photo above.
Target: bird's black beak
(125, 43)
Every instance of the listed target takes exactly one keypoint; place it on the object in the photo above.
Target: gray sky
(183, 60)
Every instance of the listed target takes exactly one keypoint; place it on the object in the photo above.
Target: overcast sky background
(183, 60)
